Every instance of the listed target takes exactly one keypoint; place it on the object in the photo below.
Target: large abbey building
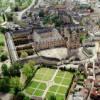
(32, 42)
(25, 43)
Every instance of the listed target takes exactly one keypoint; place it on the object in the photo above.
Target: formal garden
(49, 82)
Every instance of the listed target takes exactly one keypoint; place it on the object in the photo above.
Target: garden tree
(52, 97)
(46, 20)
(21, 96)
(16, 8)
(53, 19)
(5, 70)
(58, 22)
(27, 70)
(9, 16)
(1, 44)
(3, 57)
(30, 14)
(82, 38)
(15, 84)
(4, 85)
(17, 65)
(2, 29)
(41, 13)
(14, 70)
(31, 64)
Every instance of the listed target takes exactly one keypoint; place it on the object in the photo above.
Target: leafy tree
(17, 65)
(4, 57)
(15, 84)
(5, 70)
(3, 30)
(4, 85)
(41, 13)
(21, 96)
(16, 8)
(9, 16)
(27, 70)
(31, 64)
(15, 69)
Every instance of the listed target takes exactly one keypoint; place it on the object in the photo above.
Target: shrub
(41, 13)
(4, 85)
(5, 70)
(3, 57)
(23, 54)
(1, 43)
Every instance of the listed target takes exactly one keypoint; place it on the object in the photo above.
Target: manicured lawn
(44, 74)
(66, 82)
(59, 83)
(56, 89)
(62, 90)
(58, 80)
(64, 78)
(38, 76)
(58, 96)
(33, 84)
(69, 75)
(48, 95)
(29, 90)
(38, 93)
(35, 88)
(60, 73)
(42, 86)
(53, 88)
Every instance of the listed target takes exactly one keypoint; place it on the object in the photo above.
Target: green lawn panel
(60, 73)
(53, 88)
(62, 90)
(34, 84)
(50, 72)
(66, 82)
(68, 75)
(42, 71)
(38, 93)
(29, 91)
(48, 95)
(60, 97)
(38, 77)
(47, 78)
(42, 86)
(57, 80)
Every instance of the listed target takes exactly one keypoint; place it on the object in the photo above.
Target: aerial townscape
(49, 49)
